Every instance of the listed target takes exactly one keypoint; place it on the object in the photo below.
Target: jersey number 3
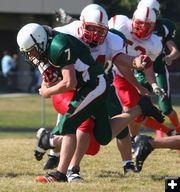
(137, 48)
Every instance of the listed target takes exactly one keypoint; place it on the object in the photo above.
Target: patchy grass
(101, 173)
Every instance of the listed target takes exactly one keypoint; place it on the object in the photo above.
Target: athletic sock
(153, 124)
(174, 121)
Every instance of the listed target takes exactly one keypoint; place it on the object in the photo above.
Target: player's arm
(63, 17)
(150, 76)
(67, 83)
(169, 42)
(129, 75)
(174, 52)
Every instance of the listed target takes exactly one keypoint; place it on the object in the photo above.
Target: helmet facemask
(93, 34)
(32, 41)
(143, 23)
(142, 29)
(35, 54)
(94, 26)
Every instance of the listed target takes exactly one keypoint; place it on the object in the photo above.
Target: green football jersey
(65, 49)
(165, 29)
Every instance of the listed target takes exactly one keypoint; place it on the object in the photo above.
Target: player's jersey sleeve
(156, 47)
(171, 29)
(116, 44)
(61, 52)
(166, 29)
(118, 22)
(70, 29)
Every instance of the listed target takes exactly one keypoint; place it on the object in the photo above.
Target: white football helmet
(153, 4)
(32, 37)
(94, 24)
(143, 22)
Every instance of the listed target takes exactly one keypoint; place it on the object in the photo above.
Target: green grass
(33, 112)
(26, 112)
(101, 173)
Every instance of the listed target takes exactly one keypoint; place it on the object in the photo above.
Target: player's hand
(142, 62)
(43, 91)
(160, 92)
(167, 59)
(50, 74)
(62, 16)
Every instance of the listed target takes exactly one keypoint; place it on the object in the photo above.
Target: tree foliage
(169, 8)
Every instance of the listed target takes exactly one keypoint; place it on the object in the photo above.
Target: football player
(166, 30)
(77, 71)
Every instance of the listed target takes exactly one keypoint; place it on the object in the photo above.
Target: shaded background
(14, 14)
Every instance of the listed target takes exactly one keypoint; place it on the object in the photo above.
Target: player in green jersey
(67, 64)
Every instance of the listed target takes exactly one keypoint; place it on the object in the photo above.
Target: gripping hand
(160, 92)
(142, 62)
(50, 74)
(62, 16)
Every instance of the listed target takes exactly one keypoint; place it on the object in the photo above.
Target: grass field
(102, 173)
(26, 112)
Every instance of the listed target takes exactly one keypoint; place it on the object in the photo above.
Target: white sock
(51, 142)
(51, 152)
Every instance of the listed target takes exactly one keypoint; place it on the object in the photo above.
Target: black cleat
(52, 177)
(148, 109)
(133, 145)
(143, 149)
(129, 168)
(52, 162)
(171, 132)
(73, 174)
(43, 144)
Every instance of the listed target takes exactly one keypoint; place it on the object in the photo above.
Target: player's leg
(85, 103)
(165, 105)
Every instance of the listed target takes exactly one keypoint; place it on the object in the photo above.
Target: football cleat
(148, 109)
(73, 174)
(171, 132)
(52, 162)
(143, 150)
(52, 177)
(129, 168)
(43, 144)
(133, 145)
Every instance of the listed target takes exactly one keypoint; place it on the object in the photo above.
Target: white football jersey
(151, 46)
(112, 45)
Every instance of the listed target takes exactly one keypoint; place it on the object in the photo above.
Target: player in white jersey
(138, 32)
